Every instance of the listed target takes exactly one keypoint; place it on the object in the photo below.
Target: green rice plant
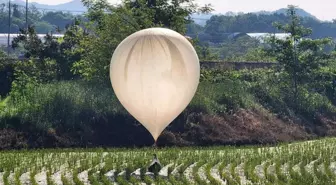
(49, 179)
(249, 170)
(233, 172)
(105, 180)
(296, 154)
(195, 172)
(148, 180)
(172, 180)
(93, 179)
(76, 180)
(5, 178)
(271, 178)
(160, 181)
(184, 180)
(226, 176)
(295, 177)
(321, 177)
(229, 180)
(170, 170)
(129, 169)
(142, 173)
(133, 180)
(328, 171)
(107, 167)
(208, 173)
(184, 166)
(17, 177)
(32, 177)
(306, 177)
(64, 180)
(282, 178)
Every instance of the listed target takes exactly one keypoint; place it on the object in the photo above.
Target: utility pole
(9, 26)
(27, 15)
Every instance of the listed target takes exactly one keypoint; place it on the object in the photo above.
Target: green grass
(74, 103)
(67, 108)
(3, 102)
(79, 106)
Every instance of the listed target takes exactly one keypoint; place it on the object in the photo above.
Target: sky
(322, 9)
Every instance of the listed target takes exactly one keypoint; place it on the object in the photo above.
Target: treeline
(218, 26)
(217, 41)
(43, 21)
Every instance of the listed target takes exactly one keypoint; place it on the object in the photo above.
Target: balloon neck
(155, 144)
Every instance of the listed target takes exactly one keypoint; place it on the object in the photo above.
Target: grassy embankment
(246, 107)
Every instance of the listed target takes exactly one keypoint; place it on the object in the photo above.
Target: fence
(235, 65)
(223, 65)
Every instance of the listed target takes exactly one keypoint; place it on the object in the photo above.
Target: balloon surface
(155, 74)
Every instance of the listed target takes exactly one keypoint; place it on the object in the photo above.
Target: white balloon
(155, 74)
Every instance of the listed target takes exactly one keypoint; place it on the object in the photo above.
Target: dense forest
(61, 96)
(219, 25)
(218, 29)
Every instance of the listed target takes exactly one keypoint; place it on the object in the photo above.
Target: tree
(43, 23)
(6, 74)
(218, 25)
(238, 47)
(64, 51)
(29, 41)
(34, 15)
(300, 57)
(194, 29)
(43, 27)
(257, 54)
(70, 48)
(109, 25)
(16, 12)
(204, 51)
(58, 18)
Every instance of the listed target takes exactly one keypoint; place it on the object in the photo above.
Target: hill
(202, 18)
(75, 6)
(299, 11)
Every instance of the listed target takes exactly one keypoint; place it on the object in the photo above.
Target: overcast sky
(322, 9)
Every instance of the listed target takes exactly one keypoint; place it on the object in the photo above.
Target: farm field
(312, 162)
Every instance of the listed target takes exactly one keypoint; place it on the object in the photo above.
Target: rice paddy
(304, 163)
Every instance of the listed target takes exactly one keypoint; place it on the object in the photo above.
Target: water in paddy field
(313, 162)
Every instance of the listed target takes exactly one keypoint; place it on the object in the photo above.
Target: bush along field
(311, 163)
(230, 107)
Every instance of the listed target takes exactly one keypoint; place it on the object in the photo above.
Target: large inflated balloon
(155, 73)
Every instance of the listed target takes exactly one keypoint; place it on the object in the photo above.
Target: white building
(4, 37)
(262, 36)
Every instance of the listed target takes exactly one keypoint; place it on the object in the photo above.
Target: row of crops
(304, 163)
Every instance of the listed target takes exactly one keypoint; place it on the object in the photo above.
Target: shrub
(76, 105)
(6, 76)
(68, 104)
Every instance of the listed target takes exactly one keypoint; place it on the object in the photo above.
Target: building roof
(262, 36)
(236, 35)
(4, 37)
